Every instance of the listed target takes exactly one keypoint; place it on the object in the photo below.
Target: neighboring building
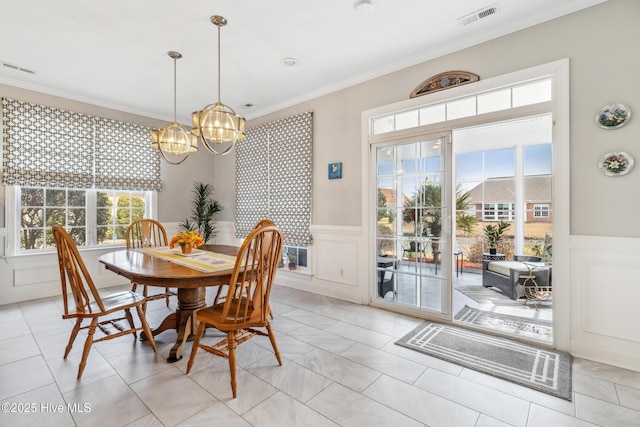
(494, 200)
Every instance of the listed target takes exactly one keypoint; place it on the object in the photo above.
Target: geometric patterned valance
(50, 147)
(273, 178)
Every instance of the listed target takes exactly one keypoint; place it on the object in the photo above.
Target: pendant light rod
(219, 21)
(175, 55)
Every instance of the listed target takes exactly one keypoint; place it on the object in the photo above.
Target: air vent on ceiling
(15, 67)
(479, 14)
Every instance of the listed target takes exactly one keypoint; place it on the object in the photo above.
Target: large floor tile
(359, 334)
(18, 348)
(539, 416)
(629, 397)
(604, 413)
(311, 319)
(322, 339)
(496, 404)
(389, 364)
(108, 402)
(421, 405)
(344, 371)
(216, 415)
(525, 393)
(24, 375)
(66, 371)
(423, 359)
(250, 389)
(172, 396)
(594, 387)
(295, 380)
(350, 409)
(281, 410)
(46, 407)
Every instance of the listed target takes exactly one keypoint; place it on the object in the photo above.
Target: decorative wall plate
(443, 81)
(613, 116)
(616, 163)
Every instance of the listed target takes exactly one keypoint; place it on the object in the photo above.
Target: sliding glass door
(413, 223)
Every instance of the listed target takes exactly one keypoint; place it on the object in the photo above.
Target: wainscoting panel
(605, 293)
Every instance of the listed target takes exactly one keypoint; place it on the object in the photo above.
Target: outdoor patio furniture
(505, 275)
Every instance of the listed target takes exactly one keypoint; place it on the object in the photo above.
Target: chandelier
(217, 125)
(174, 141)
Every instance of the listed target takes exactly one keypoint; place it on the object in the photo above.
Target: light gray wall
(599, 42)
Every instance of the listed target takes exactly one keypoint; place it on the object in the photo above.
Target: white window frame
(12, 215)
(541, 210)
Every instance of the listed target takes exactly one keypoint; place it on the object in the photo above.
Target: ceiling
(114, 53)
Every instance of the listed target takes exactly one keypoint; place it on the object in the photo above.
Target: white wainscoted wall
(604, 284)
(605, 300)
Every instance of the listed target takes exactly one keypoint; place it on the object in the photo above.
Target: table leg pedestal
(182, 320)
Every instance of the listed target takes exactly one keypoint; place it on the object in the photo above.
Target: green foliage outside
(424, 209)
(128, 209)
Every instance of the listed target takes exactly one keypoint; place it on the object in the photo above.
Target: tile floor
(340, 368)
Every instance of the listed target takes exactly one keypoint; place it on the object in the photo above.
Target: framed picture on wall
(335, 170)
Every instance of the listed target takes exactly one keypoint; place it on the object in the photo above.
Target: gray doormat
(548, 371)
(540, 330)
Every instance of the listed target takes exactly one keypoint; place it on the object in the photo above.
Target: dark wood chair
(147, 233)
(246, 305)
(90, 305)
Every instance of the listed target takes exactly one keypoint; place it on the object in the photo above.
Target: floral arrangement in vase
(187, 240)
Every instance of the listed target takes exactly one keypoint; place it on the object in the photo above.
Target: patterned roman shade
(49, 147)
(125, 159)
(46, 147)
(273, 178)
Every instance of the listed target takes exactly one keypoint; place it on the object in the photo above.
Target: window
(498, 211)
(295, 254)
(494, 100)
(541, 211)
(90, 174)
(92, 217)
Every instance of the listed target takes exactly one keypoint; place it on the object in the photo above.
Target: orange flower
(191, 238)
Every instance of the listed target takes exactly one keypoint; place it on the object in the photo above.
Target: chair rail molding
(604, 296)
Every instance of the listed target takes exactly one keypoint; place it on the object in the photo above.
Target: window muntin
(92, 217)
(541, 211)
(498, 211)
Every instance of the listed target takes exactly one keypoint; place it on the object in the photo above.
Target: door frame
(558, 71)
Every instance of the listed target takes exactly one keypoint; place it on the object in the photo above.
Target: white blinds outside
(273, 178)
(49, 147)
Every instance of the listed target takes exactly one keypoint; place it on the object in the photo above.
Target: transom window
(487, 102)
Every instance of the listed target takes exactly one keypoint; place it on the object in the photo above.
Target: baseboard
(608, 356)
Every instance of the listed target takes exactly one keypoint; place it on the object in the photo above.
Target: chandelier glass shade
(217, 125)
(174, 141)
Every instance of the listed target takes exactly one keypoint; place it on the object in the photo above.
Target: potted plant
(494, 234)
(203, 212)
(292, 260)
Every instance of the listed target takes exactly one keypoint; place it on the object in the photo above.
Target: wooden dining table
(190, 283)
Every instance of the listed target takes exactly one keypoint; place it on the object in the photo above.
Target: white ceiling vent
(15, 67)
(479, 14)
